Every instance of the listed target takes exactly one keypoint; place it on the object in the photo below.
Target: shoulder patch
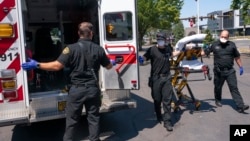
(66, 50)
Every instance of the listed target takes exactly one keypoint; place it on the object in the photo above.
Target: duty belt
(224, 69)
(163, 74)
(84, 85)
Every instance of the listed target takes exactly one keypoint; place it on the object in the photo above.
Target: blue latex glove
(112, 62)
(31, 64)
(141, 60)
(241, 70)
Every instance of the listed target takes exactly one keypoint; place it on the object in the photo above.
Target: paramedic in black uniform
(84, 59)
(225, 52)
(160, 82)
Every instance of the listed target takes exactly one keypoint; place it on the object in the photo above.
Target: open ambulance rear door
(26, 98)
(118, 36)
(13, 98)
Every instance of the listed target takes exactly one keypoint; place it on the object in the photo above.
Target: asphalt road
(209, 123)
(243, 45)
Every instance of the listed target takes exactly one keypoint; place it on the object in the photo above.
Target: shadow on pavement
(191, 108)
(116, 126)
(42, 131)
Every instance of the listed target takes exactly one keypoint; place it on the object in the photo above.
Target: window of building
(228, 19)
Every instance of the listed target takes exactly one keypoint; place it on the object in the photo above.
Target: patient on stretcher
(191, 54)
(188, 50)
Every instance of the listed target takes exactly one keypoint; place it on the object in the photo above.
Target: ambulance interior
(50, 25)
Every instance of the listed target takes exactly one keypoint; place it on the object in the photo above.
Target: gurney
(187, 62)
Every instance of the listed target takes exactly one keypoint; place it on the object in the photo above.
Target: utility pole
(198, 16)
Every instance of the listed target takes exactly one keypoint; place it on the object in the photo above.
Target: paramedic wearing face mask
(225, 52)
(160, 78)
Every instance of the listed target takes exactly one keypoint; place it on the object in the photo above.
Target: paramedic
(160, 78)
(84, 59)
(225, 52)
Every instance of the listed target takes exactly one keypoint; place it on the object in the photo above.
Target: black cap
(161, 36)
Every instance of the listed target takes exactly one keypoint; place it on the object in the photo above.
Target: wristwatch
(38, 65)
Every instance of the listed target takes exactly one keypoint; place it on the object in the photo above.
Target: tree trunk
(140, 42)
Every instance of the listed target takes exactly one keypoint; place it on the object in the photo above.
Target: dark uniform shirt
(76, 58)
(224, 54)
(160, 63)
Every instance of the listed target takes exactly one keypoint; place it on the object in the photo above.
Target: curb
(244, 50)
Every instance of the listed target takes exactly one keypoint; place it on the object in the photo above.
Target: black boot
(168, 126)
(218, 103)
(242, 109)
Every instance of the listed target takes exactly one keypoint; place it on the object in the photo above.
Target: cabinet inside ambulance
(49, 27)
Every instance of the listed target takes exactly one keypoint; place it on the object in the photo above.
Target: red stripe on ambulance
(6, 4)
(6, 43)
(15, 64)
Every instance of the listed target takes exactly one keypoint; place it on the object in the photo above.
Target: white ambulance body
(40, 29)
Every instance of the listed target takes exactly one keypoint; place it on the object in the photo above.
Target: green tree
(178, 31)
(209, 38)
(244, 5)
(160, 14)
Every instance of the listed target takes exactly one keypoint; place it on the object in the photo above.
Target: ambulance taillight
(8, 84)
(6, 30)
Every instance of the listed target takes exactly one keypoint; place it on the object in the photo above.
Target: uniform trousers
(228, 75)
(79, 96)
(162, 92)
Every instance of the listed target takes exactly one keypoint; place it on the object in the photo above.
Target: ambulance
(41, 29)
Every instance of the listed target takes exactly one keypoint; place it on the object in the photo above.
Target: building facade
(230, 20)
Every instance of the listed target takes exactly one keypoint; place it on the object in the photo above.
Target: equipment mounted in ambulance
(41, 29)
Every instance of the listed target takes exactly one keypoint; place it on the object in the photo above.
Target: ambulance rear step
(13, 117)
(115, 100)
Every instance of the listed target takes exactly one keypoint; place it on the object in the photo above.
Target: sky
(189, 8)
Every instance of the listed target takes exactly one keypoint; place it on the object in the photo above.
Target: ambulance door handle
(126, 59)
(119, 59)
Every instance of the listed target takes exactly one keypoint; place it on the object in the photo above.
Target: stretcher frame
(180, 81)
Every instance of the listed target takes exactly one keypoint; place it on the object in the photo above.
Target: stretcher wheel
(209, 77)
(197, 105)
(176, 109)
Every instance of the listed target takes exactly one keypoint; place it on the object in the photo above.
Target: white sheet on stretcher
(191, 64)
